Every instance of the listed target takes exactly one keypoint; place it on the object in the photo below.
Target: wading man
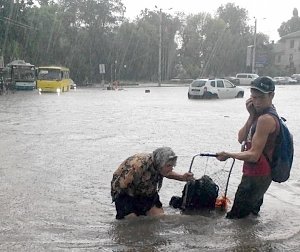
(257, 137)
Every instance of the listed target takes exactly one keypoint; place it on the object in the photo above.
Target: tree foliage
(292, 25)
(83, 34)
(215, 46)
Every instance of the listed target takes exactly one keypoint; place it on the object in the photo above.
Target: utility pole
(254, 46)
(1, 60)
(160, 44)
(159, 49)
(116, 62)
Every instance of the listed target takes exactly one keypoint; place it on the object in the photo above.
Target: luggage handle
(201, 155)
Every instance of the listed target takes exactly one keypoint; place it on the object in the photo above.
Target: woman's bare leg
(155, 211)
(130, 216)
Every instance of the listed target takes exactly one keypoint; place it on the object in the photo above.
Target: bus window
(52, 74)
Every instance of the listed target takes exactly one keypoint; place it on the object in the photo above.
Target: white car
(285, 80)
(290, 80)
(246, 78)
(296, 77)
(72, 84)
(214, 88)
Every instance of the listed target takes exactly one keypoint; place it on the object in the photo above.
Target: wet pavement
(58, 153)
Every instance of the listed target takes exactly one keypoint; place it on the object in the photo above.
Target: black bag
(197, 194)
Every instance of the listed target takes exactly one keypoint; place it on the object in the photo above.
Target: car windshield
(228, 84)
(198, 83)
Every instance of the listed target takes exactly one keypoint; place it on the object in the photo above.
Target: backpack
(283, 154)
(200, 193)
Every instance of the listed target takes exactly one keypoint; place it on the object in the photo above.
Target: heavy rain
(129, 94)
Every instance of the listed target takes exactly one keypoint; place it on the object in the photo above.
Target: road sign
(261, 59)
(101, 68)
(249, 55)
(259, 65)
(1, 62)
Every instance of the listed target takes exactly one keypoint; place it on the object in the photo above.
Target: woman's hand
(188, 176)
(181, 177)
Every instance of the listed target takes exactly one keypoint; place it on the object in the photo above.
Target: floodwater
(58, 153)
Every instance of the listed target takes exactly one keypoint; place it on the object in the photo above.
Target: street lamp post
(159, 49)
(160, 44)
(254, 46)
(116, 62)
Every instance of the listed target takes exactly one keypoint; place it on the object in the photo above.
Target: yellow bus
(53, 79)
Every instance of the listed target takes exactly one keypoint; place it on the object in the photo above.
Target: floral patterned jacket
(136, 176)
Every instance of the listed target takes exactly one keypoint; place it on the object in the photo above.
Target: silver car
(285, 80)
(214, 88)
(246, 78)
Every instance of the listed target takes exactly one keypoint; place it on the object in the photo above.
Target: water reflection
(168, 232)
(244, 234)
(140, 234)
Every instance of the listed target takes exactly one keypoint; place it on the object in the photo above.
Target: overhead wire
(14, 22)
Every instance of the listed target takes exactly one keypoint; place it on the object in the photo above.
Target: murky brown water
(58, 153)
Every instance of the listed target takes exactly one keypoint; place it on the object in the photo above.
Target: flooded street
(58, 153)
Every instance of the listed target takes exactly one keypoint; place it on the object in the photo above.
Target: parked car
(246, 78)
(273, 79)
(296, 77)
(284, 80)
(278, 80)
(73, 85)
(290, 80)
(214, 88)
(233, 80)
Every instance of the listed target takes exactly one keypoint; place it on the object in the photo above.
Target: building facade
(287, 53)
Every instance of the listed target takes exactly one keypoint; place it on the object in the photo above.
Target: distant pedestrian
(137, 181)
(115, 85)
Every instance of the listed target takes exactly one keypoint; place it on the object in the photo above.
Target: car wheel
(240, 95)
(209, 95)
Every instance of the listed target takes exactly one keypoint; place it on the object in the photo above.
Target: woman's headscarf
(162, 156)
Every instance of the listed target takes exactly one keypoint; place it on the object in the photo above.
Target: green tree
(76, 34)
(83, 34)
(136, 46)
(292, 25)
(192, 51)
(215, 46)
(14, 28)
(98, 20)
(237, 38)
